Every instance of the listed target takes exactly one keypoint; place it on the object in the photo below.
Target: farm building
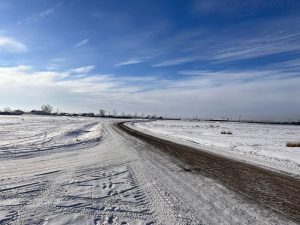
(37, 112)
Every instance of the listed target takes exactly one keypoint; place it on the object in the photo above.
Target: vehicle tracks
(278, 191)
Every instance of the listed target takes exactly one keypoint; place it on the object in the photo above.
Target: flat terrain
(263, 144)
(89, 171)
(275, 190)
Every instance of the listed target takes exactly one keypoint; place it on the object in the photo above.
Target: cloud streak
(39, 16)
(11, 45)
(241, 8)
(129, 62)
(174, 62)
(84, 69)
(58, 59)
(260, 46)
(84, 42)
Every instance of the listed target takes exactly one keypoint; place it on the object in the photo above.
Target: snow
(74, 219)
(20, 135)
(259, 142)
(11, 202)
(76, 170)
(5, 215)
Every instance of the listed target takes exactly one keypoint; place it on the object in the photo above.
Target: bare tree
(102, 112)
(7, 109)
(47, 109)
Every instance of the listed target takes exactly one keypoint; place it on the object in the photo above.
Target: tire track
(278, 191)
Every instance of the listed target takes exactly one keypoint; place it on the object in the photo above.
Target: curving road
(275, 190)
(125, 179)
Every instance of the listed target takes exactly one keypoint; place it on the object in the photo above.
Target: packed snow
(263, 143)
(75, 170)
(30, 135)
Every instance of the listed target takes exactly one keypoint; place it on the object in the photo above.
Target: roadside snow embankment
(262, 144)
(24, 135)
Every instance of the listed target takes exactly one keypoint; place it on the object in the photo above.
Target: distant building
(37, 112)
(5, 113)
(64, 114)
(220, 119)
(17, 112)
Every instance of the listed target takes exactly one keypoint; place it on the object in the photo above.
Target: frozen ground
(259, 143)
(35, 135)
(60, 170)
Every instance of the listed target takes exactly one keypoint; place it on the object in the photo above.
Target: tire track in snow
(122, 180)
(277, 191)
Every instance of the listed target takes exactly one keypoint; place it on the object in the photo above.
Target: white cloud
(39, 16)
(241, 8)
(10, 44)
(58, 59)
(193, 72)
(271, 91)
(129, 62)
(84, 42)
(84, 69)
(59, 4)
(258, 46)
(226, 77)
(52, 67)
(174, 62)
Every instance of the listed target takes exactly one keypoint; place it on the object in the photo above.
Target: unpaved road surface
(122, 179)
(277, 191)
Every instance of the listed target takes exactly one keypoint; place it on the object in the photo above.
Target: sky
(204, 58)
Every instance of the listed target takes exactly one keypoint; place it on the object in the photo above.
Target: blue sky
(199, 57)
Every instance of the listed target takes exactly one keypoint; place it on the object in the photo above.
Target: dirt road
(277, 191)
(119, 176)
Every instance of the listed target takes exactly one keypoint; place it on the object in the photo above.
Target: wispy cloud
(129, 62)
(241, 8)
(174, 62)
(11, 45)
(262, 89)
(39, 16)
(58, 59)
(253, 47)
(84, 69)
(226, 77)
(52, 68)
(59, 4)
(84, 42)
(194, 72)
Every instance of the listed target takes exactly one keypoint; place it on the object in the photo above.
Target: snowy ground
(34, 135)
(60, 170)
(259, 143)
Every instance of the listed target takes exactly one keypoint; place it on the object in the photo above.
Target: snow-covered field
(34, 135)
(259, 143)
(62, 170)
